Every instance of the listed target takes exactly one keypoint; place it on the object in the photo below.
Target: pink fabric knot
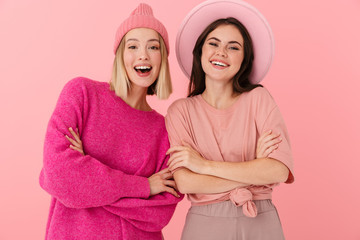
(243, 197)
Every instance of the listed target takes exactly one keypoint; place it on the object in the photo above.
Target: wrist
(208, 166)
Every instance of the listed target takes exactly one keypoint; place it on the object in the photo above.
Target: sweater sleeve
(151, 214)
(75, 180)
(268, 117)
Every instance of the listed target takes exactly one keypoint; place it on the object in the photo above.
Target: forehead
(226, 33)
(142, 34)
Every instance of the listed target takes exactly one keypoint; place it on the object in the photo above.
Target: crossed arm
(200, 175)
(161, 181)
(138, 210)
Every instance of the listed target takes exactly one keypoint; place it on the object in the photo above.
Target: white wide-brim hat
(209, 11)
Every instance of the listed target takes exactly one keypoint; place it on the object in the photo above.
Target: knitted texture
(104, 194)
(141, 17)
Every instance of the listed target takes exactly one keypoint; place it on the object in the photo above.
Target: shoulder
(77, 82)
(82, 85)
(156, 125)
(75, 85)
(259, 93)
(83, 82)
(260, 97)
(72, 89)
(179, 103)
(182, 105)
(155, 120)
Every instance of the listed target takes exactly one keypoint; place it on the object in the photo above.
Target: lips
(219, 63)
(143, 70)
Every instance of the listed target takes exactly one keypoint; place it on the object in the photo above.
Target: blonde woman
(105, 147)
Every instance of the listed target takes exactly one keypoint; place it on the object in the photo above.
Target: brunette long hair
(241, 82)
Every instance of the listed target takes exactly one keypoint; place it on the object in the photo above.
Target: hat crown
(143, 9)
(141, 17)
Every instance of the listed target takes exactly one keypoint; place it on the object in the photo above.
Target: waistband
(228, 209)
(243, 197)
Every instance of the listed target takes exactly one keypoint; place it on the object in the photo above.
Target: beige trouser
(225, 221)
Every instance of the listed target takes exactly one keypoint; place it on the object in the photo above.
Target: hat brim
(209, 11)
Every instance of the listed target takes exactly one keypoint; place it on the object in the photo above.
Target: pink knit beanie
(141, 17)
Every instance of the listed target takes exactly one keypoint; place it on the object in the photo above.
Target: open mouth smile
(143, 69)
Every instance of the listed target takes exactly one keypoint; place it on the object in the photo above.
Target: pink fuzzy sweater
(104, 194)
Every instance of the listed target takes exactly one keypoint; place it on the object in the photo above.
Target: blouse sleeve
(75, 180)
(175, 125)
(268, 117)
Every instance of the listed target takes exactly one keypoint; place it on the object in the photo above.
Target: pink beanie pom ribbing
(141, 17)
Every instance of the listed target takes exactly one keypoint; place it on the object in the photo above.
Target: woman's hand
(162, 182)
(75, 144)
(186, 156)
(267, 143)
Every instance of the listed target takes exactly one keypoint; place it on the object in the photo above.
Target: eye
(234, 48)
(213, 44)
(132, 47)
(154, 47)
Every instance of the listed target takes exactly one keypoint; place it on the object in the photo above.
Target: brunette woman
(230, 146)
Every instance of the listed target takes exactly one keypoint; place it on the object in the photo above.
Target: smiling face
(142, 56)
(222, 53)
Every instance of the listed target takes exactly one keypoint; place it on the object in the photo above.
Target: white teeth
(142, 67)
(219, 63)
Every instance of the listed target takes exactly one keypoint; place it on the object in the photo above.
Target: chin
(142, 83)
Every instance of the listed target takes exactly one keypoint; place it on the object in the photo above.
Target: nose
(143, 54)
(221, 51)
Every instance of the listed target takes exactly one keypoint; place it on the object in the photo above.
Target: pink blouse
(230, 135)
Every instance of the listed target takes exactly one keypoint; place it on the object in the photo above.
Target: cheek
(156, 59)
(239, 59)
(128, 59)
(205, 51)
(203, 58)
(203, 62)
(206, 54)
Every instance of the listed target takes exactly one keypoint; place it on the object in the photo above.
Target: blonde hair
(121, 84)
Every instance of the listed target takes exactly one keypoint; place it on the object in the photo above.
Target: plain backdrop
(315, 79)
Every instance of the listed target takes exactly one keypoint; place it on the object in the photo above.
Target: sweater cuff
(135, 186)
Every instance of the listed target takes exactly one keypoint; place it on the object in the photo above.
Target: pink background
(314, 79)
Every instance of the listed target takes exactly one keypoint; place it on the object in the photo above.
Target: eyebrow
(137, 40)
(214, 38)
(236, 42)
(231, 42)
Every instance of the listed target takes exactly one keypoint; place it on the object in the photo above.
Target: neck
(136, 98)
(220, 95)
